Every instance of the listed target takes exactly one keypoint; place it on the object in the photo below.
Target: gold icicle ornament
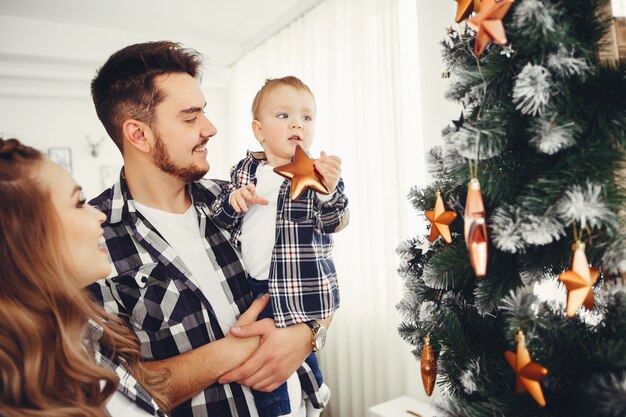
(475, 228)
(428, 367)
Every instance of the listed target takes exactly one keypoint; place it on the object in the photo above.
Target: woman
(51, 334)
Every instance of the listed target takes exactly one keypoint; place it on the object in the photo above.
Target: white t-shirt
(182, 232)
(258, 228)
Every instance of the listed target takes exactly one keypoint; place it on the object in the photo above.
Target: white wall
(51, 122)
(45, 71)
(433, 17)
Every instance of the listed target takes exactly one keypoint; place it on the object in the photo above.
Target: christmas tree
(529, 193)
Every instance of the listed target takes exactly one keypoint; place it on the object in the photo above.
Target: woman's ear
(134, 133)
(257, 129)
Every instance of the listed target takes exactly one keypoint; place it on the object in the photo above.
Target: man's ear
(134, 133)
(257, 129)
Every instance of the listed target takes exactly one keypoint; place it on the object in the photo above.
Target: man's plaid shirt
(302, 277)
(150, 287)
(128, 385)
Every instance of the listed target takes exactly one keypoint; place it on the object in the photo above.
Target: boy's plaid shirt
(149, 286)
(302, 278)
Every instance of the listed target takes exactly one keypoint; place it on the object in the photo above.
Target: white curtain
(360, 59)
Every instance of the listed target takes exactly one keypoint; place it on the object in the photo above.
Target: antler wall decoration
(94, 145)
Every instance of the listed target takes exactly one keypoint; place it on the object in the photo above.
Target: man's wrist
(318, 335)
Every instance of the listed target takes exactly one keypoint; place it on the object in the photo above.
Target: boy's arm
(333, 214)
(222, 213)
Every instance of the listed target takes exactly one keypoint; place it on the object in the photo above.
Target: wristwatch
(318, 335)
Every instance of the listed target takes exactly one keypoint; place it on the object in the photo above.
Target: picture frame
(61, 156)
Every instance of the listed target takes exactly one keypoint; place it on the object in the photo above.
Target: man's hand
(193, 371)
(281, 353)
(245, 196)
(330, 168)
(250, 344)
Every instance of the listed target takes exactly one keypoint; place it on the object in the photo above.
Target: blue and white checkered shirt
(128, 386)
(150, 287)
(302, 276)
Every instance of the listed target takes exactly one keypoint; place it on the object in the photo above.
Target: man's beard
(162, 159)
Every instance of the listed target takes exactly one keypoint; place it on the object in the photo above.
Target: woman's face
(81, 226)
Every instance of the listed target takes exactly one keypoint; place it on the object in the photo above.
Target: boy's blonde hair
(271, 84)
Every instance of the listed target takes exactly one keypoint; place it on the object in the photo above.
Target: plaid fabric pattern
(128, 385)
(302, 278)
(149, 286)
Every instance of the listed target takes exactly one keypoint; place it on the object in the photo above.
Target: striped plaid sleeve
(222, 213)
(333, 215)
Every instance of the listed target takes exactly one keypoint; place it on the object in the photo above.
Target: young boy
(285, 244)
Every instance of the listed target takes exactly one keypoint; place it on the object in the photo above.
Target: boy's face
(181, 130)
(286, 119)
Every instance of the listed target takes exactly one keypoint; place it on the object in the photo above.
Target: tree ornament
(475, 228)
(458, 124)
(302, 174)
(464, 8)
(440, 219)
(488, 24)
(527, 373)
(579, 281)
(424, 246)
(428, 367)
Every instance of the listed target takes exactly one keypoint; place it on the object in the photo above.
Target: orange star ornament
(440, 219)
(302, 174)
(488, 24)
(475, 228)
(464, 8)
(579, 281)
(527, 373)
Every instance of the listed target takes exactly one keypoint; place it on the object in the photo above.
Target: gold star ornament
(527, 373)
(440, 219)
(488, 24)
(302, 174)
(464, 9)
(579, 281)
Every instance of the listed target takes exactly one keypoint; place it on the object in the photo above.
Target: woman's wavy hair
(46, 366)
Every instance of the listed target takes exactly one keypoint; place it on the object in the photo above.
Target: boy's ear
(134, 133)
(257, 129)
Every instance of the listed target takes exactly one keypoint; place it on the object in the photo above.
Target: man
(176, 279)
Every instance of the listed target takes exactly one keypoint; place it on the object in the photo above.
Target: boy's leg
(275, 403)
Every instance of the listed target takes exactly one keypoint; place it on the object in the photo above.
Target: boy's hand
(245, 196)
(330, 168)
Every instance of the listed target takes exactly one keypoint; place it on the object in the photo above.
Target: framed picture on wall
(62, 156)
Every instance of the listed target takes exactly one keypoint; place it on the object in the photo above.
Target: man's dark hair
(124, 87)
